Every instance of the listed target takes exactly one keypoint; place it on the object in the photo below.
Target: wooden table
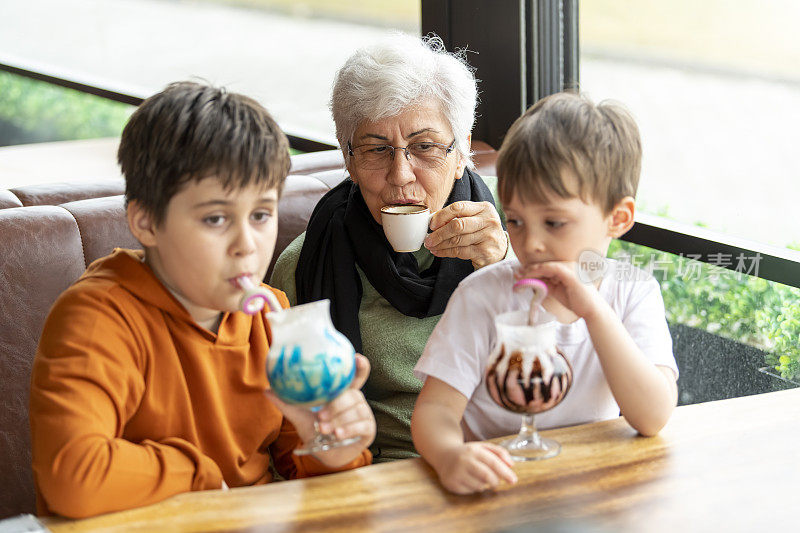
(731, 465)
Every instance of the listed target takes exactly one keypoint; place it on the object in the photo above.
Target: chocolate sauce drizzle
(562, 372)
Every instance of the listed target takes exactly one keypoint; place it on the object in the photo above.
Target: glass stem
(320, 437)
(319, 434)
(528, 430)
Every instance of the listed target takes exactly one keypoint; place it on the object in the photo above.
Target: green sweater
(392, 341)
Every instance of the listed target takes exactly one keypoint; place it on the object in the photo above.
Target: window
(282, 52)
(715, 88)
(713, 85)
(36, 111)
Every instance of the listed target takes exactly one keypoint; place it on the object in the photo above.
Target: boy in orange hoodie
(148, 382)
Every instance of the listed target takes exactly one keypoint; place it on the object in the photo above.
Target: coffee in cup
(405, 226)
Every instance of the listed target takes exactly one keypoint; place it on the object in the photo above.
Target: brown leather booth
(49, 234)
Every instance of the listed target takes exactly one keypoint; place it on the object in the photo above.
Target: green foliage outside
(36, 111)
(734, 305)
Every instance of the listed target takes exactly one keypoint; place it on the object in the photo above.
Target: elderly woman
(403, 111)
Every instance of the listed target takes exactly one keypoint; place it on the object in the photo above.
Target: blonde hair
(566, 133)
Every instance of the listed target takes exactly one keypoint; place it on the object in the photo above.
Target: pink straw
(255, 298)
(539, 294)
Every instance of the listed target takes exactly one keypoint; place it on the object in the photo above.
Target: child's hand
(348, 415)
(475, 467)
(563, 284)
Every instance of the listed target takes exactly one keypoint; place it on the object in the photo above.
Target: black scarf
(327, 264)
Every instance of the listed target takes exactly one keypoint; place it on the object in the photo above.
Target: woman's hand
(475, 467)
(347, 416)
(468, 230)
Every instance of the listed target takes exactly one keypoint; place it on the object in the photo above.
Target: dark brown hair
(190, 131)
(565, 133)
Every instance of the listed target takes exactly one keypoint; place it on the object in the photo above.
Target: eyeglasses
(425, 154)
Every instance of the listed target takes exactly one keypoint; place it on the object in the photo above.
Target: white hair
(382, 80)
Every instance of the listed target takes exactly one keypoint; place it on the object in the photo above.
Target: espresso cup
(405, 226)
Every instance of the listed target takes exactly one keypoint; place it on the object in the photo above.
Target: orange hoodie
(132, 401)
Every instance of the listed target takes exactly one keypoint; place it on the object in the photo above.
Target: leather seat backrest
(41, 256)
(103, 226)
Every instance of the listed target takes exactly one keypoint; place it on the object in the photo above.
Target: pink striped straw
(255, 297)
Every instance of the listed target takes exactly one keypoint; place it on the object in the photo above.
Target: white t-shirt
(459, 347)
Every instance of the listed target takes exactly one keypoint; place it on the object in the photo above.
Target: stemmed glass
(527, 373)
(309, 362)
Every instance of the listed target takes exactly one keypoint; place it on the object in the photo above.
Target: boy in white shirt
(567, 176)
